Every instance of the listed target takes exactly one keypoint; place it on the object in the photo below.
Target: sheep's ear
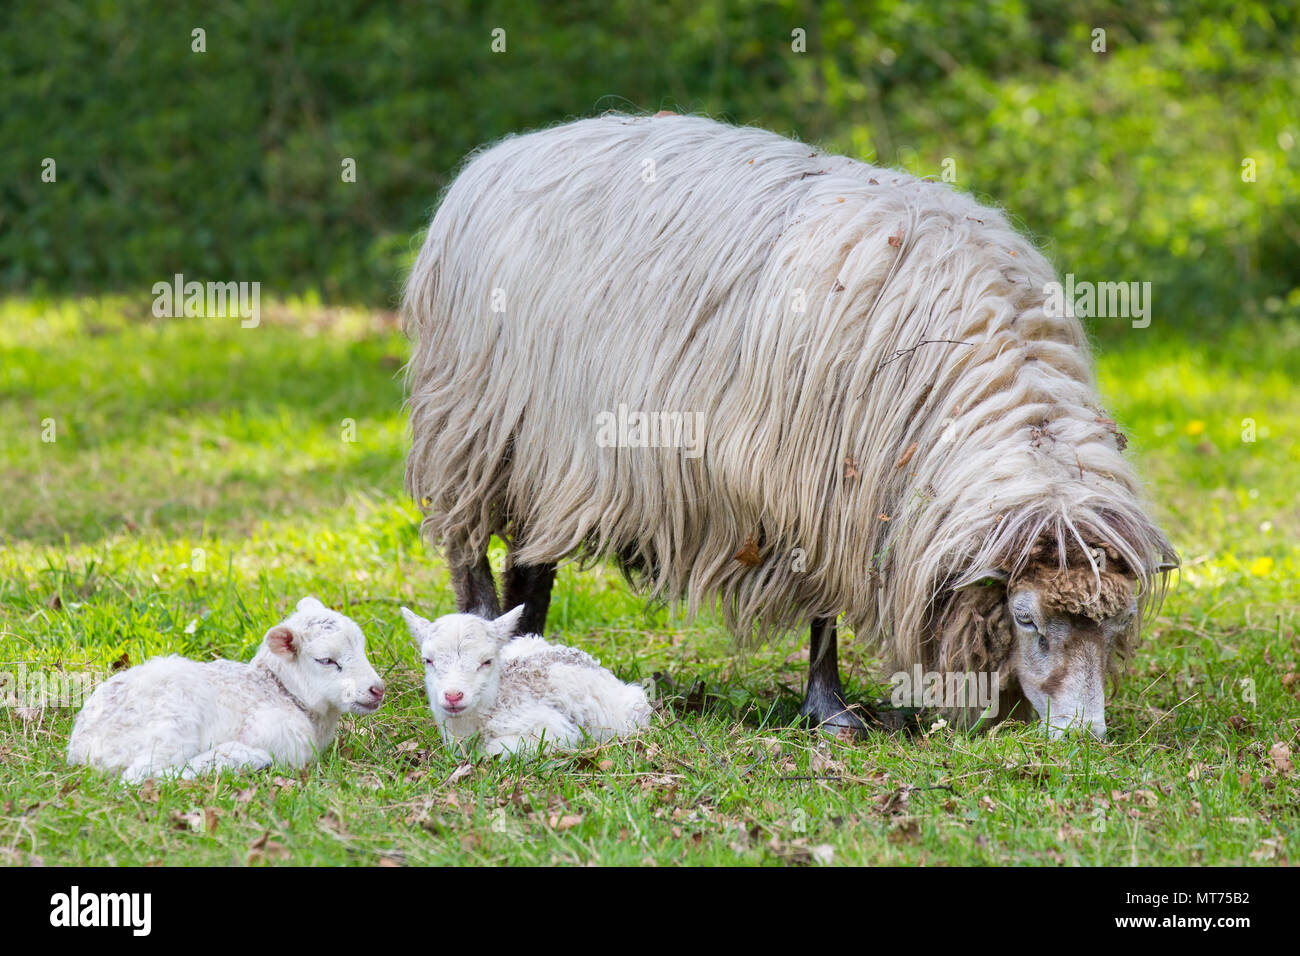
(991, 577)
(310, 603)
(507, 625)
(414, 623)
(282, 641)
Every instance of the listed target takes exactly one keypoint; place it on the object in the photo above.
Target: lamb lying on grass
(175, 717)
(520, 695)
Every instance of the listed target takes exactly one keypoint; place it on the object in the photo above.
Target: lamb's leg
(476, 589)
(823, 704)
(529, 585)
(142, 768)
(531, 728)
(227, 756)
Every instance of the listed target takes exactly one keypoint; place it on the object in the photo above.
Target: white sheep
(171, 716)
(519, 694)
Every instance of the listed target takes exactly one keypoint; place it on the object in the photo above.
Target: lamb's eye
(485, 664)
(328, 662)
(1026, 622)
(427, 662)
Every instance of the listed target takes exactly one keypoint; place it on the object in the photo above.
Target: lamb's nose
(377, 691)
(455, 698)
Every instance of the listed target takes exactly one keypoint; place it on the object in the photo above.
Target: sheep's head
(461, 671)
(1072, 628)
(1054, 633)
(320, 657)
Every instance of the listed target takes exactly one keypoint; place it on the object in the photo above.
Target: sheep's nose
(377, 691)
(455, 698)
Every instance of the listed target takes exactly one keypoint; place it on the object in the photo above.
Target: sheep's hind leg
(476, 588)
(823, 703)
(529, 585)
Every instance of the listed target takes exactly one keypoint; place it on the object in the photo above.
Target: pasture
(175, 485)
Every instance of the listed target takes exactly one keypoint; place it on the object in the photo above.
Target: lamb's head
(320, 657)
(461, 671)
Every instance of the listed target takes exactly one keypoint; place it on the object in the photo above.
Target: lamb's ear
(310, 603)
(282, 641)
(414, 623)
(507, 625)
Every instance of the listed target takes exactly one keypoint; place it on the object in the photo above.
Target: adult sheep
(891, 424)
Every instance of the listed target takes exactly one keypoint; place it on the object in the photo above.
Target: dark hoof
(833, 717)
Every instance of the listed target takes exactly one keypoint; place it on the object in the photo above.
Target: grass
(202, 479)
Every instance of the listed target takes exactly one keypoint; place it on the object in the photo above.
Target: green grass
(200, 483)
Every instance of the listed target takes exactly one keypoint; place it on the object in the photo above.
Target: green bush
(226, 164)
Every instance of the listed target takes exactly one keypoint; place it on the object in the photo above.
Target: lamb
(891, 421)
(519, 695)
(171, 716)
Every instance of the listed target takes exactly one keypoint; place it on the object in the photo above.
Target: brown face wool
(1077, 589)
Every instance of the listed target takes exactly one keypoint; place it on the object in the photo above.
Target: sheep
(519, 694)
(171, 716)
(891, 421)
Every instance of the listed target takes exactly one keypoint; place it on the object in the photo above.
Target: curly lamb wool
(890, 412)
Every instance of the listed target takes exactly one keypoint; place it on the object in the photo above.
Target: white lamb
(176, 717)
(519, 694)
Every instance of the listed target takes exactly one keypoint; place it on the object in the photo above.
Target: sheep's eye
(328, 662)
(1026, 622)
(487, 663)
(428, 663)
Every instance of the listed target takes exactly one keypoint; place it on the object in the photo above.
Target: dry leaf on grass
(1281, 755)
(461, 772)
(265, 850)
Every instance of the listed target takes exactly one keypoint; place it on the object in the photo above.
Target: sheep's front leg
(475, 587)
(529, 585)
(823, 703)
(227, 756)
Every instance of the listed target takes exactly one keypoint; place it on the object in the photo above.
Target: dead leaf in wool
(851, 468)
(906, 456)
(748, 553)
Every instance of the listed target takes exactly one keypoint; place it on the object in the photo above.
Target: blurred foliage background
(1125, 164)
